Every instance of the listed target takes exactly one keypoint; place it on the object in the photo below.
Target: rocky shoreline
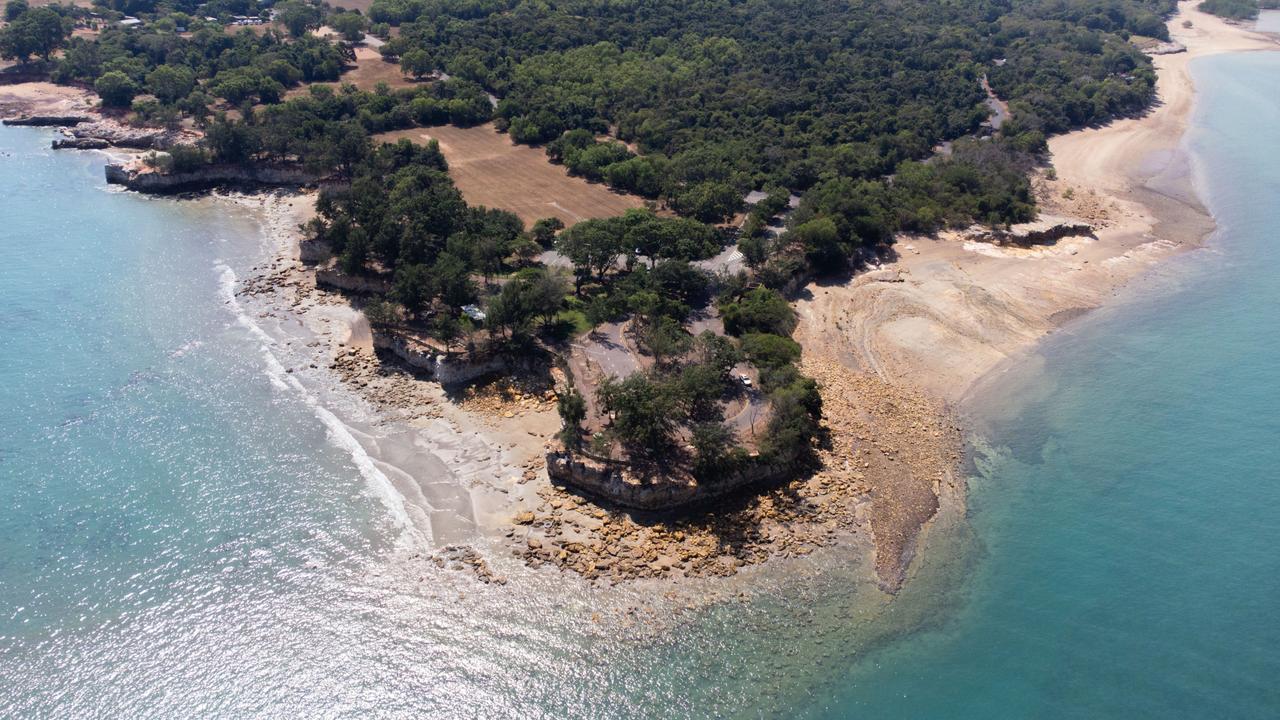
(211, 176)
(543, 524)
(874, 487)
(888, 448)
(94, 132)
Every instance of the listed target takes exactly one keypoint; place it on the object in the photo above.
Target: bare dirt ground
(42, 98)
(491, 170)
(369, 70)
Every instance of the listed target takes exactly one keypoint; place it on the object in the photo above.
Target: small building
(129, 22)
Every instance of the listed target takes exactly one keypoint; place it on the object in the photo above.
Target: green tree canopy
(298, 16)
(38, 32)
(171, 83)
(116, 89)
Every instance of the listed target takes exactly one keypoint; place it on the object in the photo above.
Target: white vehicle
(745, 380)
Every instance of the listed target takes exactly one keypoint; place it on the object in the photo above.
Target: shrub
(116, 89)
(760, 311)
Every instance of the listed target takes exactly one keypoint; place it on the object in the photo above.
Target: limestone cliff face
(314, 251)
(1047, 230)
(210, 176)
(117, 134)
(615, 481)
(444, 369)
(328, 276)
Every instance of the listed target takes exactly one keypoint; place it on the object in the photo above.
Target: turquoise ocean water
(184, 532)
(1129, 516)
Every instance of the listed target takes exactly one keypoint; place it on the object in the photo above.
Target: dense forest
(714, 98)
(870, 111)
(876, 115)
(1238, 9)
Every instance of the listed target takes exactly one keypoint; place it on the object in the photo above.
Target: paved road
(609, 351)
(729, 261)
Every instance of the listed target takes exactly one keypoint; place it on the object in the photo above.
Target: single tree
(417, 63)
(414, 287)
(453, 280)
(349, 25)
(14, 8)
(544, 231)
(645, 414)
(573, 410)
(592, 245)
(298, 17)
(171, 83)
(665, 340)
(715, 450)
(381, 313)
(116, 89)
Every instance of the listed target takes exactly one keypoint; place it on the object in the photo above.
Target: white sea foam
(337, 432)
(186, 348)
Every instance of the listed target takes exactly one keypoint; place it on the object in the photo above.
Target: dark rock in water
(47, 120)
(124, 136)
(80, 144)
(209, 176)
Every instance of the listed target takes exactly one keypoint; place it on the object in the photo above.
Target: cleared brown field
(361, 5)
(369, 70)
(491, 170)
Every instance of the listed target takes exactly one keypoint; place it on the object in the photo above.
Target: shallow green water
(1129, 516)
(186, 534)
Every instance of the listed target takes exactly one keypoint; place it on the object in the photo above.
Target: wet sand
(949, 315)
(894, 349)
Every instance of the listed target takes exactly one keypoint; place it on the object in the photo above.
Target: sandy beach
(949, 315)
(44, 98)
(948, 311)
(896, 349)
(469, 465)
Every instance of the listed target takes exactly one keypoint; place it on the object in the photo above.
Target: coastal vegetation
(809, 134)
(1237, 9)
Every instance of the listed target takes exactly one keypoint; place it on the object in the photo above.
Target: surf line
(337, 432)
